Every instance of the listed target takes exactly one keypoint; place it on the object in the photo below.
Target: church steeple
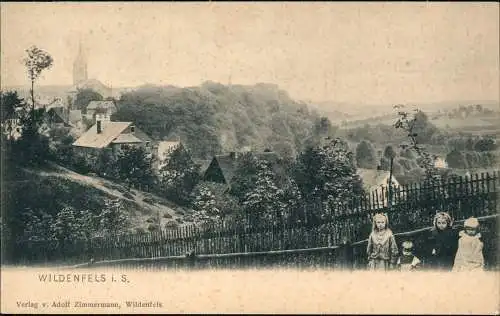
(80, 66)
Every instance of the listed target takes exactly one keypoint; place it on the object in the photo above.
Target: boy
(407, 261)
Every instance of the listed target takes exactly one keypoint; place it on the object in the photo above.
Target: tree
(456, 159)
(245, 176)
(323, 127)
(408, 153)
(328, 174)
(179, 176)
(389, 153)
(385, 164)
(38, 226)
(293, 201)
(32, 147)
(10, 106)
(212, 202)
(485, 144)
(112, 219)
(37, 61)
(107, 164)
(411, 125)
(135, 166)
(64, 150)
(265, 200)
(305, 171)
(68, 225)
(84, 97)
(365, 155)
(423, 128)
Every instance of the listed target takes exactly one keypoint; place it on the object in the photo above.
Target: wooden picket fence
(318, 244)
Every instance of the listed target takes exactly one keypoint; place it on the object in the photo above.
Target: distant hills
(339, 111)
(344, 114)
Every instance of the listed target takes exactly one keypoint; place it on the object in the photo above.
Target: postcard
(250, 157)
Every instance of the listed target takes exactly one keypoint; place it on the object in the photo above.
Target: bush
(128, 195)
(148, 200)
(140, 230)
(365, 156)
(80, 164)
(171, 225)
(153, 227)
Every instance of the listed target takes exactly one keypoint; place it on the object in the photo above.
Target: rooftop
(110, 132)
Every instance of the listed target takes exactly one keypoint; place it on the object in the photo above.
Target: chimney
(99, 127)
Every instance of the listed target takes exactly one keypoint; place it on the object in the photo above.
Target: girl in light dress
(382, 249)
(469, 256)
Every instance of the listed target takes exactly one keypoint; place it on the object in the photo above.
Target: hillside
(447, 116)
(214, 118)
(55, 187)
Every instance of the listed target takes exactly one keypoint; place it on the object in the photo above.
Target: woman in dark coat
(441, 244)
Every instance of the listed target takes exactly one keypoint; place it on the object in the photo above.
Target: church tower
(80, 67)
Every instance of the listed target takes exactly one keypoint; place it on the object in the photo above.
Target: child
(408, 261)
(442, 243)
(382, 249)
(470, 248)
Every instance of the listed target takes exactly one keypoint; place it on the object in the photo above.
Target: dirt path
(159, 207)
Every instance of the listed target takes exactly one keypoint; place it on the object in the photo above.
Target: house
(440, 163)
(112, 135)
(12, 127)
(75, 117)
(106, 108)
(90, 84)
(203, 164)
(57, 117)
(376, 182)
(222, 167)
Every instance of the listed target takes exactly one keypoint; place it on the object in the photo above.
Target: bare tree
(408, 123)
(37, 61)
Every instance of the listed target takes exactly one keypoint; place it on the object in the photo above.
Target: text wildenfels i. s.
(82, 277)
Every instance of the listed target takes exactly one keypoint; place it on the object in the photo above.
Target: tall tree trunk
(33, 101)
(389, 202)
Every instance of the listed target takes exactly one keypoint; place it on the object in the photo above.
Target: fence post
(346, 255)
(191, 259)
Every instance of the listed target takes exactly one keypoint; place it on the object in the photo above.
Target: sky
(365, 53)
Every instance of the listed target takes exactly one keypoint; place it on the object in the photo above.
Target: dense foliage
(179, 176)
(214, 118)
(84, 97)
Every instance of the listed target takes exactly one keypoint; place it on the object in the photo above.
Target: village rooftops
(126, 139)
(222, 167)
(110, 132)
(203, 164)
(57, 115)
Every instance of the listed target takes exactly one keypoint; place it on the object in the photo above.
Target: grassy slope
(140, 206)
